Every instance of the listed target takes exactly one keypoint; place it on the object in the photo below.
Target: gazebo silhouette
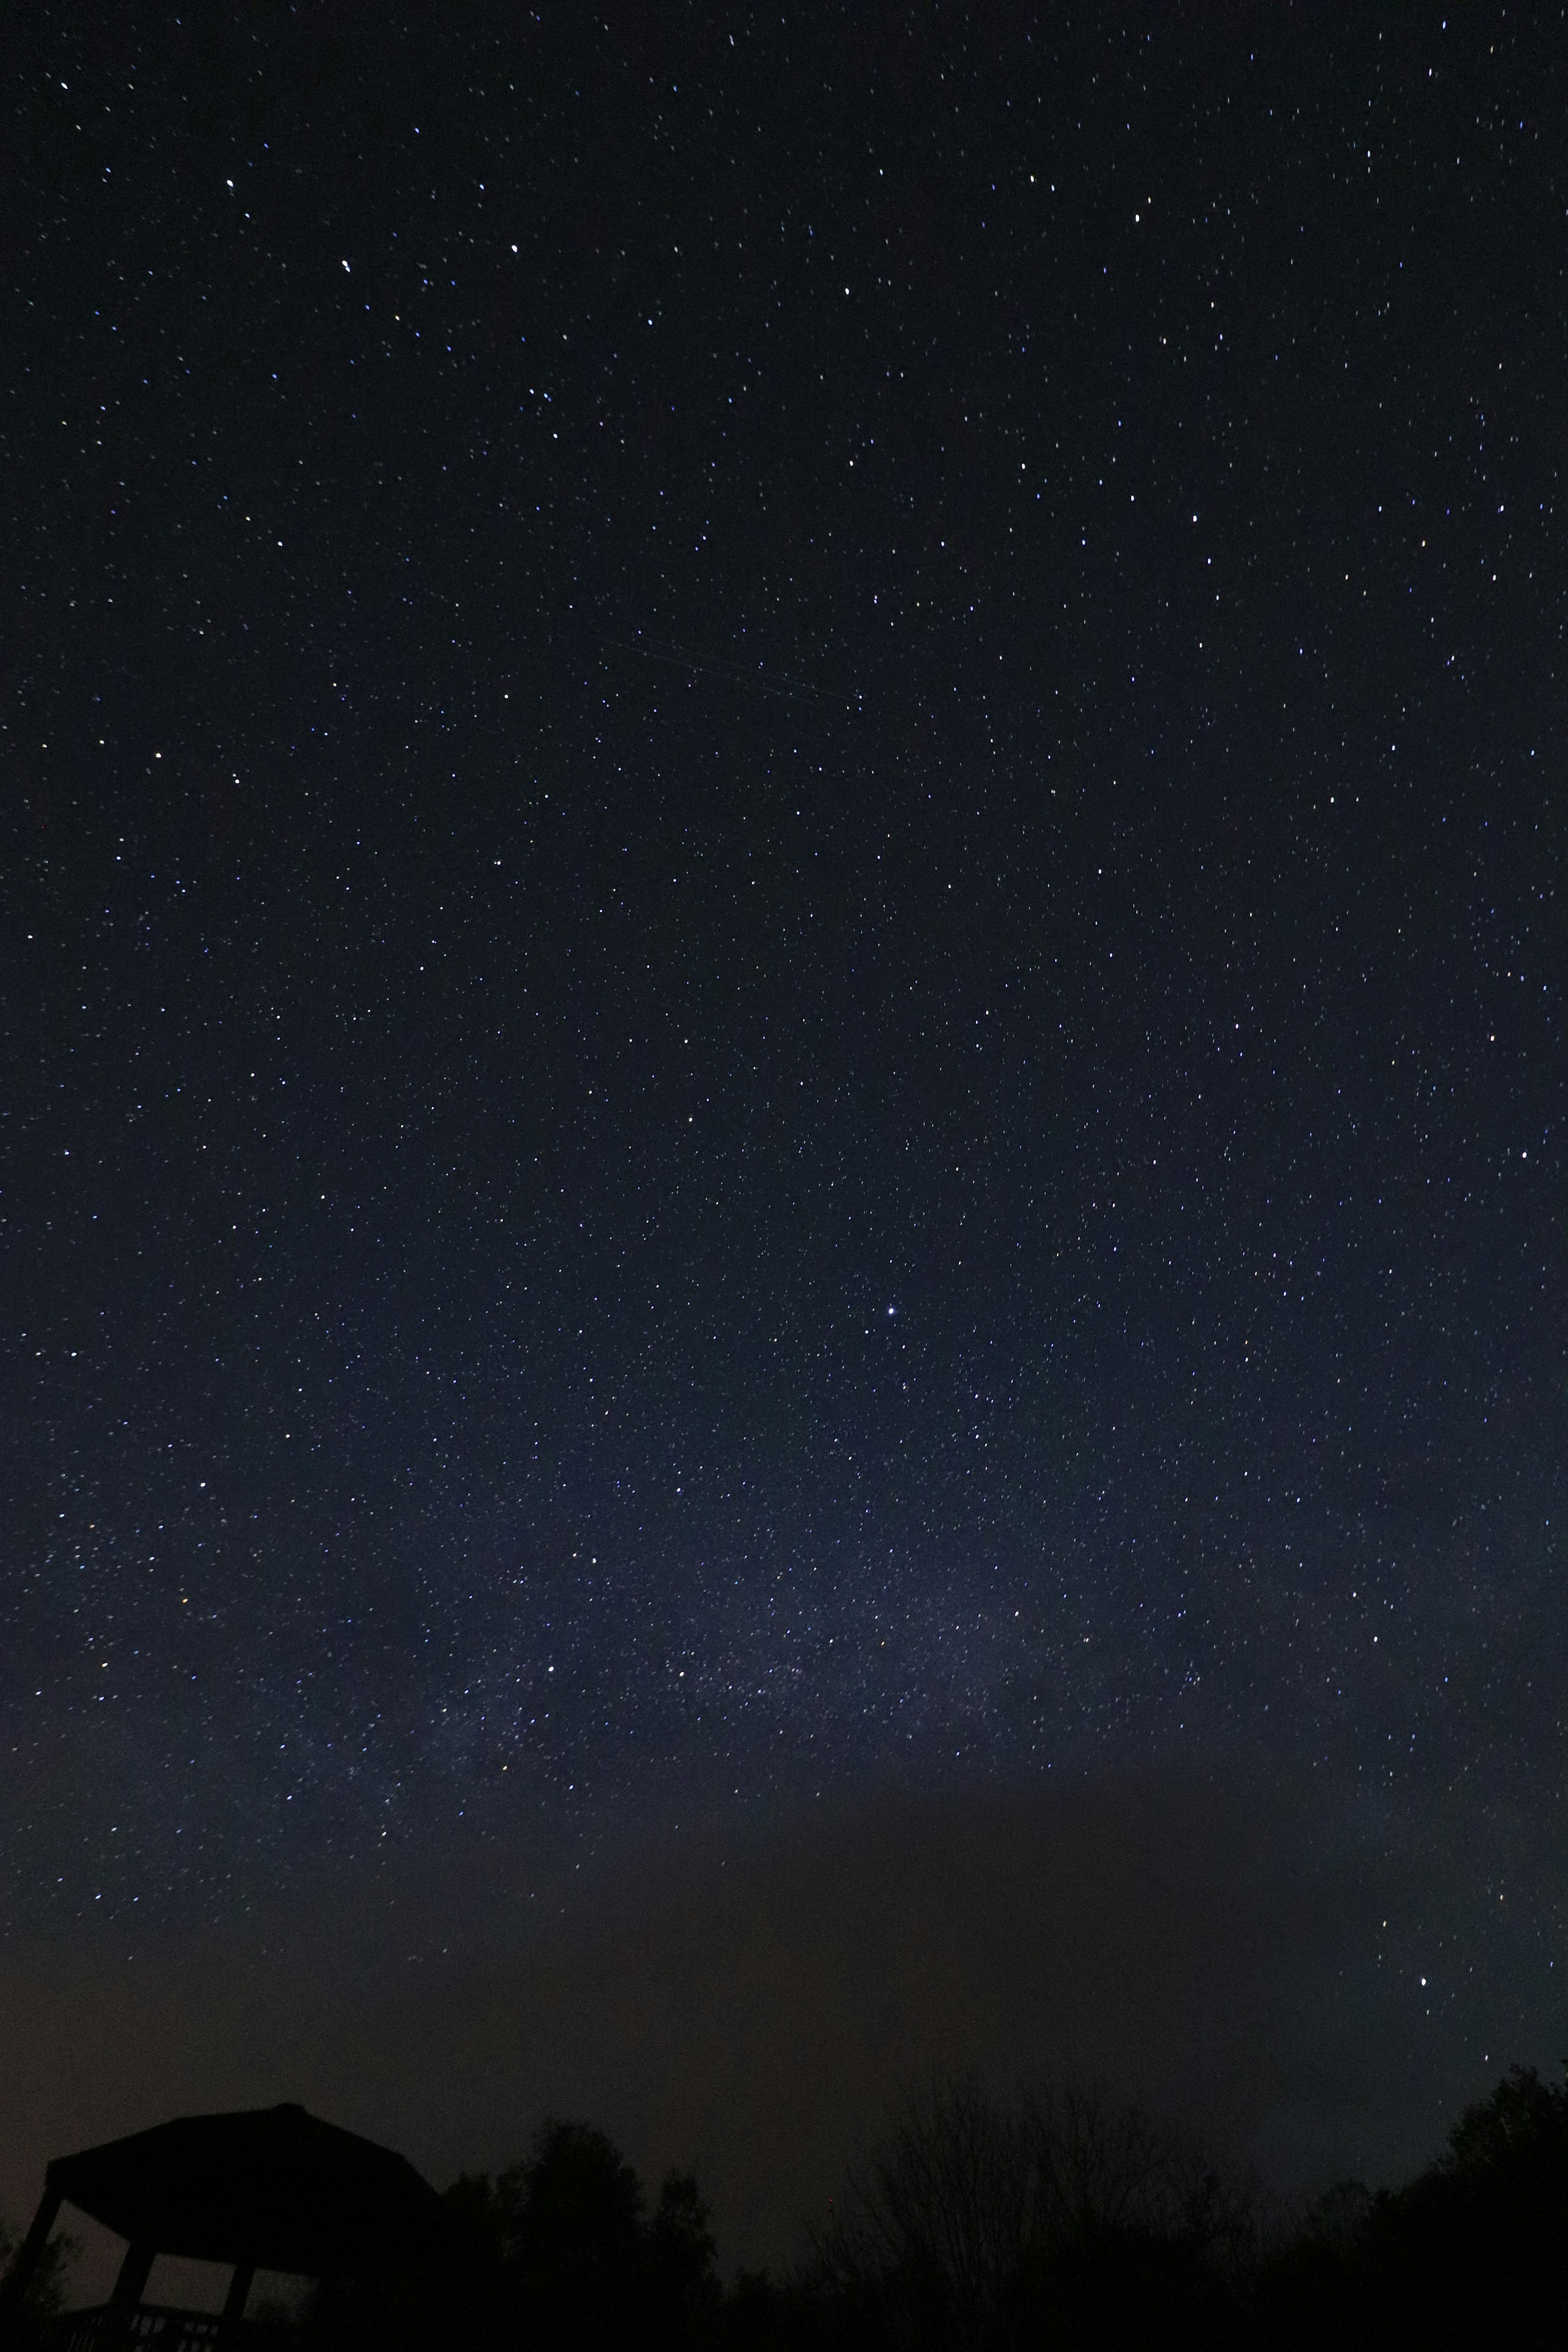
(270, 2188)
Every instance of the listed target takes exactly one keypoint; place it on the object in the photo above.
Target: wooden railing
(143, 2328)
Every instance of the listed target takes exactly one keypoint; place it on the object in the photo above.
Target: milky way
(783, 954)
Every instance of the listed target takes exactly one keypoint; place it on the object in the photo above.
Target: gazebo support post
(30, 2252)
(238, 2293)
(134, 2272)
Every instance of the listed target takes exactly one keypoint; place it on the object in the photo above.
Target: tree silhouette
(557, 2253)
(1066, 2218)
(45, 2292)
(571, 2238)
(1475, 2250)
(680, 2265)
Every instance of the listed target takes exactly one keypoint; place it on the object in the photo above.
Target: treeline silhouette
(1061, 2221)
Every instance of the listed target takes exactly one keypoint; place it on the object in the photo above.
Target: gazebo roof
(273, 2187)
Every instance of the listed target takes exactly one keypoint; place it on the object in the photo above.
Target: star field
(784, 946)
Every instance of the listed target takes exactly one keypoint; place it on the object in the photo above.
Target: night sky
(780, 1128)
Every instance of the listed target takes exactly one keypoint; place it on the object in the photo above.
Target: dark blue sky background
(782, 974)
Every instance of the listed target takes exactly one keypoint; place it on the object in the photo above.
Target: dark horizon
(753, 2003)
